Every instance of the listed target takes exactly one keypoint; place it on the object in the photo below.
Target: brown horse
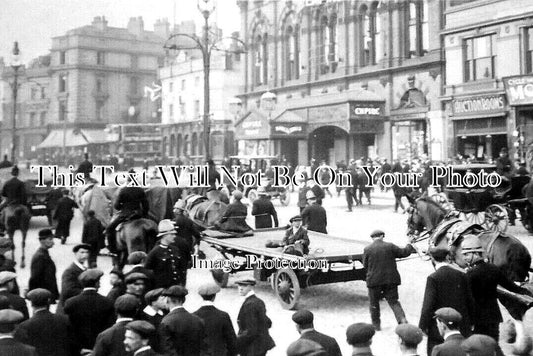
(135, 235)
(17, 217)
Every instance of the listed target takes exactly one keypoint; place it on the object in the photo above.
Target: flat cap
(6, 276)
(153, 295)
(359, 333)
(166, 226)
(10, 316)
(141, 327)
(237, 194)
(296, 218)
(90, 275)
(81, 246)
(136, 257)
(208, 289)
(302, 317)
(377, 233)
(246, 282)
(438, 253)
(45, 233)
(410, 334)
(135, 276)
(479, 345)
(127, 303)
(176, 291)
(448, 316)
(305, 347)
(39, 297)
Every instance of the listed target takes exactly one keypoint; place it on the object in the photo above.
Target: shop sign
(478, 105)
(253, 127)
(362, 110)
(288, 130)
(519, 89)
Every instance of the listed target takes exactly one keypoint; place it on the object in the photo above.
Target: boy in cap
(70, 284)
(382, 276)
(221, 336)
(480, 345)
(359, 336)
(49, 333)
(8, 345)
(137, 338)
(116, 279)
(93, 234)
(448, 322)
(296, 235)
(304, 347)
(156, 307)
(180, 332)
(304, 325)
(43, 268)
(409, 337)
(7, 283)
(253, 338)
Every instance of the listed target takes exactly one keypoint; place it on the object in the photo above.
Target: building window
(196, 109)
(418, 28)
(43, 93)
(99, 111)
(371, 40)
(42, 118)
(529, 50)
(328, 44)
(99, 85)
(31, 121)
(258, 62)
(479, 58)
(291, 53)
(134, 85)
(62, 57)
(183, 84)
(62, 111)
(33, 93)
(183, 111)
(171, 111)
(62, 83)
(100, 58)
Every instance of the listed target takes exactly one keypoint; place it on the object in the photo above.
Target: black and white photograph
(266, 177)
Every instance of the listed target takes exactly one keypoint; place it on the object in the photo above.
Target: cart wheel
(220, 277)
(287, 288)
(252, 195)
(496, 218)
(285, 198)
(476, 217)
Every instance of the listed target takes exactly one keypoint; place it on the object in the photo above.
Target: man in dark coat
(302, 195)
(64, 214)
(264, 211)
(168, 262)
(43, 269)
(446, 287)
(110, 342)
(253, 338)
(70, 284)
(14, 190)
(180, 332)
(137, 261)
(234, 218)
(93, 234)
(296, 235)
(304, 325)
(185, 226)
(448, 323)
(7, 283)
(50, 334)
(5, 163)
(318, 192)
(137, 338)
(409, 336)
(8, 345)
(221, 336)
(156, 307)
(504, 166)
(314, 215)
(382, 276)
(85, 167)
(89, 312)
(359, 336)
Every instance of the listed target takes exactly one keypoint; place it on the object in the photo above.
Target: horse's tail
(150, 228)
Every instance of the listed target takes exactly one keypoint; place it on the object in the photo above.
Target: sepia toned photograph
(266, 177)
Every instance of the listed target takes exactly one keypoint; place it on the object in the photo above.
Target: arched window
(367, 39)
(291, 48)
(258, 61)
(327, 38)
(418, 27)
(264, 56)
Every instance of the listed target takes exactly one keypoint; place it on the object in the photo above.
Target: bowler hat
(438, 253)
(7, 276)
(303, 317)
(410, 334)
(176, 291)
(246, 282)
(208, 289)
(448, 316)
(141, 327)
(359, 333)
(81, 246)
(39, 297)
(165, 227)
(45, 233)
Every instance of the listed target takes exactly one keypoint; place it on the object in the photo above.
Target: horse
(17, 217)
(446, 230)
(134, 235)
(205, 213)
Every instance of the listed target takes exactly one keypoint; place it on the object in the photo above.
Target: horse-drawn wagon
(331, 259)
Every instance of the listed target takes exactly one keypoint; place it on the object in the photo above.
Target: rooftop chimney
(100, 23)
(136, 26)
(162, 28)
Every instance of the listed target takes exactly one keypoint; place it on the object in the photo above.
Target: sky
(34, 22)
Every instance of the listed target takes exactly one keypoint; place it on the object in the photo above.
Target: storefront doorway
(328, 143)
(289, 150)
(481, 148)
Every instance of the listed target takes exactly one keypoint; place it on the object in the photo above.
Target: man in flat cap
(480, 345)
(136, 286)
(70, 284)
(111, 341)
(168, 262)
(296, 236)
(136, 263)
(409, 336)
(446, 287)
(221, 336)
(234, 218)
(7, 283)
(180, 332)
(43, 269)
(305, 326)
(156, 307)
(9, 319)
(253, 338)
(448, 323)
(305, 347)
(137, 338)
(314, 215)
(359, 336)
(263, 210)
(89, 312)
(50, 334)
(382, 276)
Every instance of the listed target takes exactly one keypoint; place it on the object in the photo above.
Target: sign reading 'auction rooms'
(478, 105)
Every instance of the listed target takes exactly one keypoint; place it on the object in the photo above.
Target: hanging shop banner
(519, 89)
(479, 104)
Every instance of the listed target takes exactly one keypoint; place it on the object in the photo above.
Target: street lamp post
(15, 64)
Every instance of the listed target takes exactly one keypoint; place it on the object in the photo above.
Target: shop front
(479, 126)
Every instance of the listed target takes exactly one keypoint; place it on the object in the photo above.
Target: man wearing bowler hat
(304, 325)
(89, 312)
(296, 236)
(382, 276)
(70, 284)
(50, 334)
(263, 210)
(43, 269)
(180, 332)
(359, 336)
(137, 338)
(409, 336)
(8, 345)
(168, 262)
(219, 329)
(253, 338)
(7, 283)
(448, 323)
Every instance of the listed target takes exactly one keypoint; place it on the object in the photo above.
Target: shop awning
(289, 116)
(95, 136)
(73, 138)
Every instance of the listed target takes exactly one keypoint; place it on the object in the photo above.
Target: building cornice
(97, 68)
(488, 23)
